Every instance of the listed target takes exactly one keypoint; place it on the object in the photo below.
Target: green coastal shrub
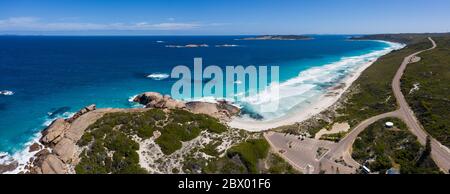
(185, 126)
(384, 148)
(250, 152)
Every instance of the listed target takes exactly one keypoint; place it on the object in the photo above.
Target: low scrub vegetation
(110, 143)
(371, 94)
(382, 148)
(251, 156)
(426, 86)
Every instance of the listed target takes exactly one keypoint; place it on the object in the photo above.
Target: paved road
(305, 154)
(342, 150)
(440, 153)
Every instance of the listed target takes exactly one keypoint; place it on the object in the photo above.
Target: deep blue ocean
(53, 76)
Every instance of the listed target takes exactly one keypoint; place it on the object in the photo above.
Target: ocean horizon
(54, 76)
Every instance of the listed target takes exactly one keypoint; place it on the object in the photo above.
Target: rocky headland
(57, 151)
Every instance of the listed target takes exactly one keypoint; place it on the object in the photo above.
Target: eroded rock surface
(157, 100)
(60, 138)
(222, 110)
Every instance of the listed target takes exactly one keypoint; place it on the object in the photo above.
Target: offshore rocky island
(279, 37)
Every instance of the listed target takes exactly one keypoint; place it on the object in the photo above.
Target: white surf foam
(23, 156)
(310, 84)
(158, 76)
(133, 103)
(227, 45)
(65, 115)
(6, 93)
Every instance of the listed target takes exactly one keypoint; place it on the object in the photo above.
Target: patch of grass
(382, 148)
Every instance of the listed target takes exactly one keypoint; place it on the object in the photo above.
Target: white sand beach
(322, 103)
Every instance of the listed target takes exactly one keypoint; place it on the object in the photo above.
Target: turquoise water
(55, 76)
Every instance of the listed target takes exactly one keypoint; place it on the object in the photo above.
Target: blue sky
(223, 17)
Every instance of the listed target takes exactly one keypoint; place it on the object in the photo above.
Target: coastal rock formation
(81, 112)
(156, 100)
(8, 167)
(278, 37)
(60, 138)
(34, 147)
(222, 110)
(65, 149)
(54, 131)
(59, 151)
(52, 165)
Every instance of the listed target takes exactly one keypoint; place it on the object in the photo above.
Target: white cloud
(18, 21)
(169, 26)
(35, 24)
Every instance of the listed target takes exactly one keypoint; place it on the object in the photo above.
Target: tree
(426, 153)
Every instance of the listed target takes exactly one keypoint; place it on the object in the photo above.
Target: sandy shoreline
(321, 104)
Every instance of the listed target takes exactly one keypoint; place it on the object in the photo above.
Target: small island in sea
(278, 37)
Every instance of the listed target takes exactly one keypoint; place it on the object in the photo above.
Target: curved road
(440, 153)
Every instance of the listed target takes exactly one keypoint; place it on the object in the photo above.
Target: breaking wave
(158, 76)
(310, 84)
(6, 93)
(23, 156)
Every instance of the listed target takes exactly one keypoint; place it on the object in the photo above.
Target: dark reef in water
(251, 114)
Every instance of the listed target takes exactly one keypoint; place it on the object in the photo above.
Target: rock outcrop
(53, 132)
(8, 167)
(34, 147)
(222, 110)
(65, 149)
(53, 165)
(57, 153)
(81, 112)
(60, 137)
(156, 100)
